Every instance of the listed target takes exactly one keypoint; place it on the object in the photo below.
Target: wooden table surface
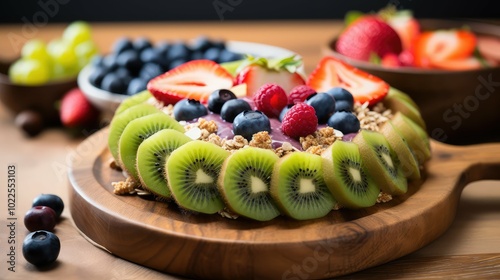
(469, 249)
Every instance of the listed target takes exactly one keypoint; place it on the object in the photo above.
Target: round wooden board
(160, 236)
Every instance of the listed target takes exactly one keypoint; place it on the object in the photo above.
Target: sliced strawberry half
(332, 72)
(458, 64)
(196, 79)
(261, 71)
(441, 45)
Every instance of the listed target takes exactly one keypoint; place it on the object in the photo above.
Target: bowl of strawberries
(449, 67)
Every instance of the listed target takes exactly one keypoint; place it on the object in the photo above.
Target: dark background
(20, 11)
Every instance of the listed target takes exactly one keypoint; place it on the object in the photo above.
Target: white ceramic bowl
(107, 101)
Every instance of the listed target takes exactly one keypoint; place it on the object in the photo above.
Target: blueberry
(97, 75)
(343, 105)
(232, 108)
(189, 109)
(51, 200)
(136, 85)
(346, 122)
(197, 55)
(339, 93)
(141, 44)
(284, 110)
(227, 56)
(323, 104)
(97, 61)
(247, 123)
(162, 47)
(201, 44)
(41, 247)
(176, 62)
(109, 62)
(212, 54)
(220, 44)
(150, 70)
(123, 74)
(153, 56)
(130, 60)
(113, 83)
(122, 45)
(218, 98)
(40, 218)
(178, 50)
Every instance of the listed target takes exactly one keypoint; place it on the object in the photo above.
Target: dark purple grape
(40, 218)
(41, 248)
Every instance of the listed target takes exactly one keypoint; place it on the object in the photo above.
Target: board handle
(477, 162)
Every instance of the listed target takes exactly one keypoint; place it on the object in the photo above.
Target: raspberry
(299, 121)
(300, 94)
(270, 99)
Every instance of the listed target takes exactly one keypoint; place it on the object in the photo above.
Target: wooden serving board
(160, 236)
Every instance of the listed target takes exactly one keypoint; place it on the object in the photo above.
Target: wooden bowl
(459, 107)
(41, 98)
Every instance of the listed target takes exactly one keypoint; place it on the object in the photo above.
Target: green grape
(77, 32)
(29, 72)
(62, 53)
(85, 51)
(35, 49)
(59, 72)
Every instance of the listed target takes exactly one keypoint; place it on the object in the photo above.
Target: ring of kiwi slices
(156, 153)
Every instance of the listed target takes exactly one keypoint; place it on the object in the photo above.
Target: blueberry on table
(51, 200)
(189, 109)
(346, 122)
(218, 98)
(247, 123)
(40, 218)
(232, 108)
(41, 247)
(323, 104)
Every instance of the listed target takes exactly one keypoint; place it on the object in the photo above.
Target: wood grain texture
(159, 236)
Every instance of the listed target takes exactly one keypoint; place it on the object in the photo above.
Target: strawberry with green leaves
(256, 72)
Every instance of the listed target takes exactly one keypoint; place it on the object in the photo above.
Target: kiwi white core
(202, 177)
(388, 159)
(306, 186)
(355, 174)
(257, 185)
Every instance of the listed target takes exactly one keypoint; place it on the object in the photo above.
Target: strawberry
(76, 110)
(270, 99)
(441, 45)
(299, 121)
(366, 36)
(406, 58)
(404, 24)
(261, 71)
(390, 60)
(195, 79)
(458, 64)
(332, 72)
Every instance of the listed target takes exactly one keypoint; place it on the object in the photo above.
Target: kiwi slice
(381, 161)
(418, 144)
(404, 107)
(244, 183)
(409, 162)
(192, 173)
(135, 99)
(346, 176)
(298, 187)
(151, 157)
(396, 93)
(119, 122)
(136, 132)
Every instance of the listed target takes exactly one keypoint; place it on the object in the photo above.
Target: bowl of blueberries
(111, 78)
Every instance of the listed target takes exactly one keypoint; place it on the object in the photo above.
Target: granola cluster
(128, 186)
(374, 118)
(321, 139)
